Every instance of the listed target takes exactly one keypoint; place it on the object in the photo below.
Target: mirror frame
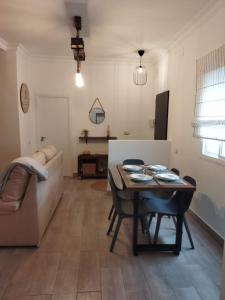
(97, 113)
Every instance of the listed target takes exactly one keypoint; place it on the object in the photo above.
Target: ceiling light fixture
(140, 72)
(77, 45)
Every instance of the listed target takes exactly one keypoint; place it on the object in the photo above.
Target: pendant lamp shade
(140, 72)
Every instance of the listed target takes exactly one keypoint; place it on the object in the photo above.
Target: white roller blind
(210, 96)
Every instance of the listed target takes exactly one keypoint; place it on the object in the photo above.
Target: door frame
(52, 96)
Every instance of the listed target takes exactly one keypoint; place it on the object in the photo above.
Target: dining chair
(123, 208)
(133, 161)
(170, 207)
(168, 195)
(129, 161)
(160, 194)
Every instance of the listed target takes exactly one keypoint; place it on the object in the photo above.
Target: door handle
(43, 138)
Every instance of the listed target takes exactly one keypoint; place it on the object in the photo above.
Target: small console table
(92, 165)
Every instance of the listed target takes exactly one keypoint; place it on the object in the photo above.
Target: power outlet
(126, 132)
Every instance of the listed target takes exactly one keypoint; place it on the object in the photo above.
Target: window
(215, 149)
(209, 122)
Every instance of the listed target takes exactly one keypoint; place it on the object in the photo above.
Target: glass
(222, 150)
(97, 115)
(140, 76)
(211, 148)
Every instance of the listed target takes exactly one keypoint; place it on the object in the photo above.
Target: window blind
(210, 96)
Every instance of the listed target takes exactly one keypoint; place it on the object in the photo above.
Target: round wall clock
(24, 97)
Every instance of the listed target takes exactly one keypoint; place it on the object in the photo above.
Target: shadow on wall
(207, 210)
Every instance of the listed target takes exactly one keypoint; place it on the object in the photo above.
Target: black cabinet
(92, 165)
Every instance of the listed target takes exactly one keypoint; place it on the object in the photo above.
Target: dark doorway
(161, 116)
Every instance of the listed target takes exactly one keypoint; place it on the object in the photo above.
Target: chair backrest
(175, 171)
(183, 199)
(114, 190)
(133, 161)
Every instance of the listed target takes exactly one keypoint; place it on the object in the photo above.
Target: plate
(132, 168)
(140, 177)
(167, 177)
(157, 167)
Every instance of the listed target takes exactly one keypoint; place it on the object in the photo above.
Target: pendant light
(79, 80)
(77, 45)
(140, 73)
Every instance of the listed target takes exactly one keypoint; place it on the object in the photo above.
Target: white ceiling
(111, 28)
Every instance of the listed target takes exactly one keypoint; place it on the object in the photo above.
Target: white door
(52, 126)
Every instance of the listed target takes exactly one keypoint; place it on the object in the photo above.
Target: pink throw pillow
(16, 185)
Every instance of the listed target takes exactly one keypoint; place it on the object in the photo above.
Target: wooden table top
(154, 184)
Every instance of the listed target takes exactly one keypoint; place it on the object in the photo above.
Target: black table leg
(179, 232)
(135, 223)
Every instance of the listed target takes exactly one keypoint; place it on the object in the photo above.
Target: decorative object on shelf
(140, 73)
(97, 113)
(97, 139)
(85, 132)
(108, 131)
(24, 97)
(77, 45)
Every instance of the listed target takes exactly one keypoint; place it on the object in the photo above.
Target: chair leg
(143, 224)
(150, 219)
(116, 233)
(157, 228)
(174, 221)
(189, 233)
(110, 213)
(112, 223)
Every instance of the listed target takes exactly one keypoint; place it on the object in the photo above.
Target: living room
(35, 49)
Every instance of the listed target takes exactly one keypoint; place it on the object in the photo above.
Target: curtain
(210, 96)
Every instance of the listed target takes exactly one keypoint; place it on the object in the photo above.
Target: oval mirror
(97, 115)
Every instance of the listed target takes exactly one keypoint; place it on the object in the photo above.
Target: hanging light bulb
(140, 73)
(79, 80)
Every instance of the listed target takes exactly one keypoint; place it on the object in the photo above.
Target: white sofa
(26, 226)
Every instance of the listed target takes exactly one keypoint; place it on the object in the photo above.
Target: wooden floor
(73, 261)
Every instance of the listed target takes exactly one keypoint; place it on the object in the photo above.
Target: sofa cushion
(40, 157)
(8, 207)
(16, 185)
(49, 151)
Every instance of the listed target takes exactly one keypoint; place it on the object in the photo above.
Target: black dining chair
(133, 161)
(129, 161)
(171, 206)
(123, 209)
(159, 194)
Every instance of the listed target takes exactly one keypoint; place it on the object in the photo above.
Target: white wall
(128, 107)
(9, 128)
(186, 150)
(150, 151)
(26, 120)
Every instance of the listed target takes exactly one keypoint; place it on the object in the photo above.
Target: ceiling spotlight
(140, 73)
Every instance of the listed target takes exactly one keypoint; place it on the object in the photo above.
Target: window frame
(219, 156)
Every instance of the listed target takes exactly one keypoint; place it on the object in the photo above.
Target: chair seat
(127, 209)
(156, 194)
(126, 195)
(156, 205)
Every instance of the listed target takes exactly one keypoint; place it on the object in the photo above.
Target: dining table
(154, 185)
